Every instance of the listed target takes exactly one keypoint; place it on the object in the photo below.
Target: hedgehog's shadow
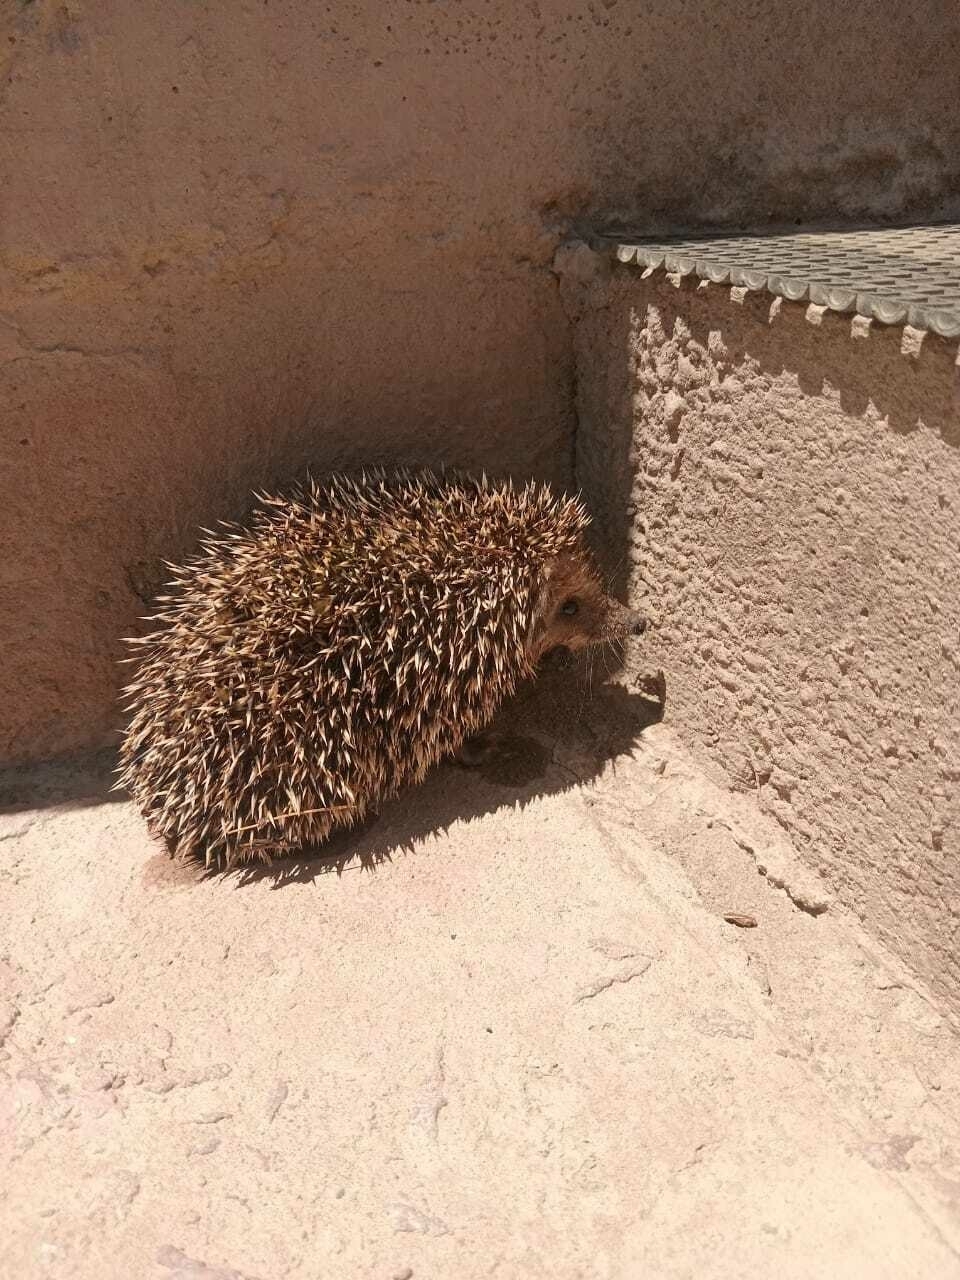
(556, 735)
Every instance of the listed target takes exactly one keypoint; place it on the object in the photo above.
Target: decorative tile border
(902, 275)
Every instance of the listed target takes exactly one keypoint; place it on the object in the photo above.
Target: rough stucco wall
(238, 239)
(791, 486)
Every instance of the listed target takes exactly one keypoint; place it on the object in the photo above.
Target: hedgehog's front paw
(477, 751)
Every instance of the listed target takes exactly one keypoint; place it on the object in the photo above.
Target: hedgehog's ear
(542, 608)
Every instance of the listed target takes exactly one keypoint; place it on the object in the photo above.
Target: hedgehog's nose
(633, 623)
(626, 622)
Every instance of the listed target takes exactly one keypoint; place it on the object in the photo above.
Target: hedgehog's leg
(479, 750)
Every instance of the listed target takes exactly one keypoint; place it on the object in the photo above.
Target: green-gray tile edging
(903, 275)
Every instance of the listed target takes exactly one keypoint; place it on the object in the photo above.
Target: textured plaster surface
(523, 1042)
(791, 486)
(240, 239)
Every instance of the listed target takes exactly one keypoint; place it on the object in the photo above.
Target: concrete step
(526, 1043)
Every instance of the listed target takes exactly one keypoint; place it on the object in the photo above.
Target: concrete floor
(525, 1044)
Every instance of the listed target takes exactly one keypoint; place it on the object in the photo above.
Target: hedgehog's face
(574, 611)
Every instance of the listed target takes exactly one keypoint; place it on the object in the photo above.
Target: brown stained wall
(791, 486)
(239, 238)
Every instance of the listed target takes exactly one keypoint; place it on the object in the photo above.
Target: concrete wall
(239, 238)
(782, 487)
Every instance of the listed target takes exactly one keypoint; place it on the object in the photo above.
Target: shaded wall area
(241, 239)
(781, 487)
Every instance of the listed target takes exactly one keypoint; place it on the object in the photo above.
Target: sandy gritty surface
(506, 1032)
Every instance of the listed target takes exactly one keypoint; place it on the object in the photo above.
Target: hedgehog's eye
(570, 607)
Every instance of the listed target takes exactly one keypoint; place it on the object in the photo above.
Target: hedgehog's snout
(626, 622)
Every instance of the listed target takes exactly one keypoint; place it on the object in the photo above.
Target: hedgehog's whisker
(605, 658)
(612, 653)
(619, 565)
(587, 689)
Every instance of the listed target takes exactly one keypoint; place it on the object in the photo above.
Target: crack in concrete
(624, 975)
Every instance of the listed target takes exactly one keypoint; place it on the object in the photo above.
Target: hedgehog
(358, 630)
